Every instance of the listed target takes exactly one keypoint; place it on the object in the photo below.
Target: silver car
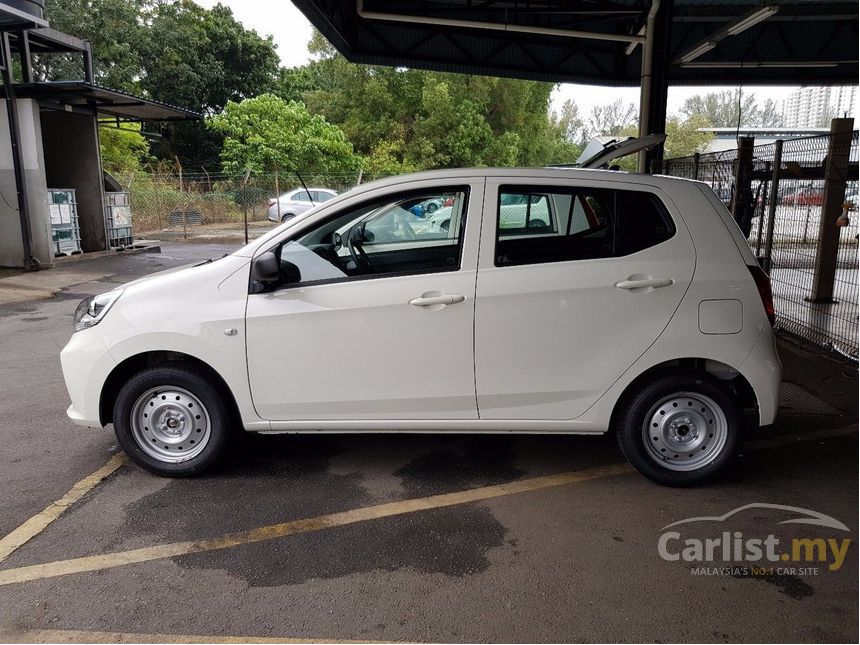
(297, 202)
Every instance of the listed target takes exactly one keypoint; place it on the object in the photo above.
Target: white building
(811, 107)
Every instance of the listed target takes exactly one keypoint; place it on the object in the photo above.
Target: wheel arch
(734, 379)
(127, 368)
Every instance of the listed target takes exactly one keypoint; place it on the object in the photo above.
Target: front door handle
(644, 283)
(436, 299)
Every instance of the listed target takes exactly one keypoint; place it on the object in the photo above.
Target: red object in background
(448, 202)
(804, 198)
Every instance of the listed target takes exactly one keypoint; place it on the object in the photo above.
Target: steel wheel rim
(685, 431)
(170, 424)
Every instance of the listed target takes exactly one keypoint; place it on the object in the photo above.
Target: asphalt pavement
(411, 537)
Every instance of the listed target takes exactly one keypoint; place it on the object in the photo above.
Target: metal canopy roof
(712, 41)
(107, 103)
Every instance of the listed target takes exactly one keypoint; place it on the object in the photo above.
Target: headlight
(91, 310)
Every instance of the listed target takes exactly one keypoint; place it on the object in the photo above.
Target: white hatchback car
(569, 301)
(285, 207)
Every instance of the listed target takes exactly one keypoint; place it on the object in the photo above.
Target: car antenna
(305, 187)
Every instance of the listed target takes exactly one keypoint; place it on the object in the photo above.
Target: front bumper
(86, 363)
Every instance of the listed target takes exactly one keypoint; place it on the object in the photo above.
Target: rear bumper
(763, 369)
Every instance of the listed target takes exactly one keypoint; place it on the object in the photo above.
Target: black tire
(432, 207)
(642, 410)
(208, 392)
(287, 217)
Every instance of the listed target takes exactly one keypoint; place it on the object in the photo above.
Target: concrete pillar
(835, 177)
(73, 160)
(11, 243)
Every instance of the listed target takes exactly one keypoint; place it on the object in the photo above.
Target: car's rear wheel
(287, 217)
(681, 428)
(172, 420)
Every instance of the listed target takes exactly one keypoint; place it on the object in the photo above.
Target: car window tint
(301, 196)
(323, 196)
(555, 225)
(397, 235)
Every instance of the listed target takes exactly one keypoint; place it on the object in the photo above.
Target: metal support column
(767, 259)
(835, 176)
(654, 82)
(30, 263)
(743, 204)
(26, 57)
(88, 63)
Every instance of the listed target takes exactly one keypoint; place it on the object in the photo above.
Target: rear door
(565, 305)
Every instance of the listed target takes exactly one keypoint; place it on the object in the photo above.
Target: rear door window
(539, 225)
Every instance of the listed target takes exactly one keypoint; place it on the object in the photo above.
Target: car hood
(215, 270)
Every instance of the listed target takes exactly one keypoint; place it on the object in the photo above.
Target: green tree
(115, 30)
(683, 138)
(266, 134)
(731, 108)
(406, 119)
(610, 119)
(124, 150)
(201, 59)
(567, 135)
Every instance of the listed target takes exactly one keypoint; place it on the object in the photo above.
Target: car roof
(524, 174)
(300, 189)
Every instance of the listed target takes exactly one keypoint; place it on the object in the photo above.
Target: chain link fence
(221, 208)
(786, 227)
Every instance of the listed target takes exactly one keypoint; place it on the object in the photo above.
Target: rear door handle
(654, 283)
(436, 300)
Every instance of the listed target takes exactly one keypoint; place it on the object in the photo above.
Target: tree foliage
(124, 150)
(169, 50)
(114, 29)
(733, 108)
(407, 119)
(266, 134)
(612, 118)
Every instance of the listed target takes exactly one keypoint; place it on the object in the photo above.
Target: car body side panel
(552, 338)
(186, 311)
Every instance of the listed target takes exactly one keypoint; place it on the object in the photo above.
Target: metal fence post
(245, 202)
(771, 211)
(764, 191)
(742, 203)
(696, 158)
(835, 177)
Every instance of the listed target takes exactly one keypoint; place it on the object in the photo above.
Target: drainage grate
(793, 399)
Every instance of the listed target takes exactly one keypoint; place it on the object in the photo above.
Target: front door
(574, 284)
(380, 325)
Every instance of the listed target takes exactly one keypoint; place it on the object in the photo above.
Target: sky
(291, 32)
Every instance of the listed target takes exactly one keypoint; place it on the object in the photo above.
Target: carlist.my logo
(712, 547)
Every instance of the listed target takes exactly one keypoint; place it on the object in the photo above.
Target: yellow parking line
(306, 525)
(76, 636)
(39, 522)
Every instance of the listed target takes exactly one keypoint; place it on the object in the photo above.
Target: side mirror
(266, 268)
(290, 273)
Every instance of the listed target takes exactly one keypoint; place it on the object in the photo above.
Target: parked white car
(296, 202)
(569, 301)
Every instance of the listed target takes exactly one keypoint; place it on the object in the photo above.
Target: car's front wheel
(680, 428)
(173, 420)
